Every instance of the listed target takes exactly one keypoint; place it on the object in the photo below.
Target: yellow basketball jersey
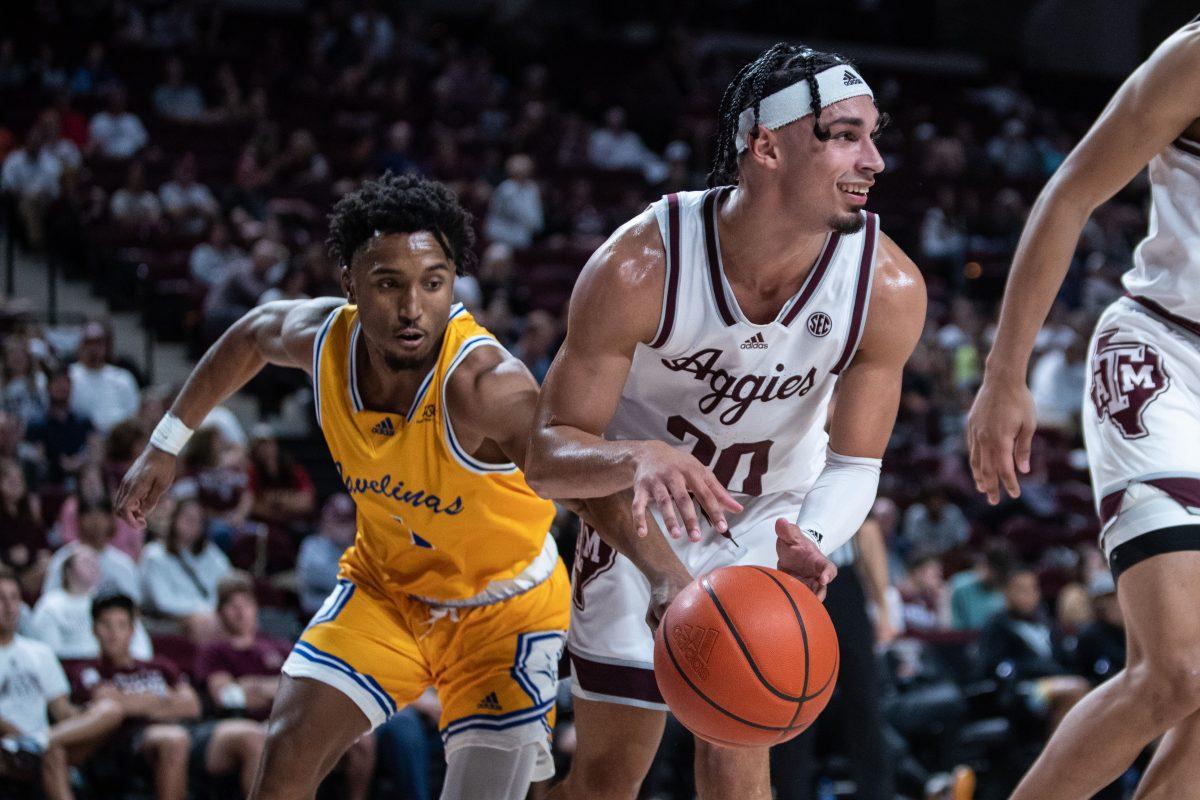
(433, 522)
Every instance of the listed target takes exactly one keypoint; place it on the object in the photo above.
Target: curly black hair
(401, 204)
(778, 66)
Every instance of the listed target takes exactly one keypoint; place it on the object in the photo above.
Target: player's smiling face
(403, 284)
(833, 177)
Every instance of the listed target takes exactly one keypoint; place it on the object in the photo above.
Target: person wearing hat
(102, 392)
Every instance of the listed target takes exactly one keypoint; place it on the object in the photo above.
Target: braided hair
(778, 66)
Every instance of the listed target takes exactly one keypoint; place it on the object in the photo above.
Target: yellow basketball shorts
(495, 667)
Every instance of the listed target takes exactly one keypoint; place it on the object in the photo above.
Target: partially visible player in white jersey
(1141, 423)
(704, 343)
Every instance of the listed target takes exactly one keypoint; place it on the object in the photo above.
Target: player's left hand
(662, 592)
(800, 557)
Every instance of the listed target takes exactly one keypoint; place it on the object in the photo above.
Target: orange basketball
(746, 657)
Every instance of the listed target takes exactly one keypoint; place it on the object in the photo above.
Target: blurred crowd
(182, 156)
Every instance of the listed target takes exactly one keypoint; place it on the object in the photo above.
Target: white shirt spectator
(182, 584)
(32, 679)
(193, 199)
(211, 265)
(64, 622)
(1056, 385)
(135, 207)
(182, 103)
(117, 571)
(28, 176)
(514, 215)
(624, 150)
(119, 136)
(106, 396)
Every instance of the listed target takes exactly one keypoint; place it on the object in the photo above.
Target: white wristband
(170, 435)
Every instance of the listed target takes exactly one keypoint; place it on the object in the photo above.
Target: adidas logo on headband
(850, 79)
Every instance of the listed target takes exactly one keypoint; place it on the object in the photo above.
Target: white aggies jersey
(1166, 265)
(749, 401)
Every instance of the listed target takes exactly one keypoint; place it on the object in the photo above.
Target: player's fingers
(787, 532)
(1002, 455)
(640, 499)
(709, 504)
(722, 493)
(687, 508)
(973, 454)
(1024, 447)
(828, 574)
(662, 499)
(988, 480)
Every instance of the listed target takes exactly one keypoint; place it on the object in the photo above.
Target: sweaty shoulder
(299, 322)
(896, 314)
(619, 294)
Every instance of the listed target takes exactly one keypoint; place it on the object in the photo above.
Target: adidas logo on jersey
(850, 79)
(755, 342)
(384, 428)
(490, 703)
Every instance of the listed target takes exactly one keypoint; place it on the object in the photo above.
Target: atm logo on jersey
(1126, 378)
(740, 390)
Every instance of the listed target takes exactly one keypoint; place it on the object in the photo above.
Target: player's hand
(670, 479)
(800, 557)
(662, 592)
(999, 435)
(144, 484)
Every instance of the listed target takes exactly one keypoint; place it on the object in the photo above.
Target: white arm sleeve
(838, 502)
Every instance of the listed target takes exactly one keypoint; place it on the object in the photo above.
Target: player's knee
(606, 777)
(728, 767)
(1170, 683)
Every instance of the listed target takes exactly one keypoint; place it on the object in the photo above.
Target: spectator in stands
(615, 146)
(214, 259)
(102, 392)
(231, 103)
(65, 439)
(216, 473)
(301, 163)
(62, 617)
(134, 206)
(976, 595)
(283, 493)
(181, 573)
(239, 291)
(1100, 648)
(25, 548)
(155, 697)
(321, 552)
(47, 70)
(514, 215)
(176, 99)
(1016, 645)
(925, 596)
(12, 71)
(33, 691)
(116, 133)
(94, 75)
(24, 383)
(96, 527)
(240, 672)
(934, 525)
(536, 346)
(92, 487)
(396, 157)
(33, 174)
(189, 205)
(1057, 382)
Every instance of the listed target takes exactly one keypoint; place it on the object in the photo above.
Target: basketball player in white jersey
(1141, 422)
(704, 343)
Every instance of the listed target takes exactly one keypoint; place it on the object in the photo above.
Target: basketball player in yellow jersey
(453, 580)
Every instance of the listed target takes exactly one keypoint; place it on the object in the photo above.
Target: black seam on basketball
(702, 695)
(803, 635)
(712, 594)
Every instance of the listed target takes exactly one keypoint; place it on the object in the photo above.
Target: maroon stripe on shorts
(1110, 504)
(1185, 491)
(671, 290)
(1174, 319)
(616, 680)
(714, 256)
(860, 295)
(1187, 146)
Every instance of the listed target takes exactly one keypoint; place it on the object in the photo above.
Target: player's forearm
(229, 364)
(612, 518)
(1039, 267)
(566, 463)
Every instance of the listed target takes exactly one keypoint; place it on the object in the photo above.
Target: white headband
(793, 102)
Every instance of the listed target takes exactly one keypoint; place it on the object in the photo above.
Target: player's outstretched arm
(279, 333)
(615, 306)
(1150, 110)
(864, 413)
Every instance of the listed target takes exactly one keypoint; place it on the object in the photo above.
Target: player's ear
(348, 285)
(763, 147)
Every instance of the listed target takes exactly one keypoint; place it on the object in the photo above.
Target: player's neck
(762, 245)
(388, 390)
